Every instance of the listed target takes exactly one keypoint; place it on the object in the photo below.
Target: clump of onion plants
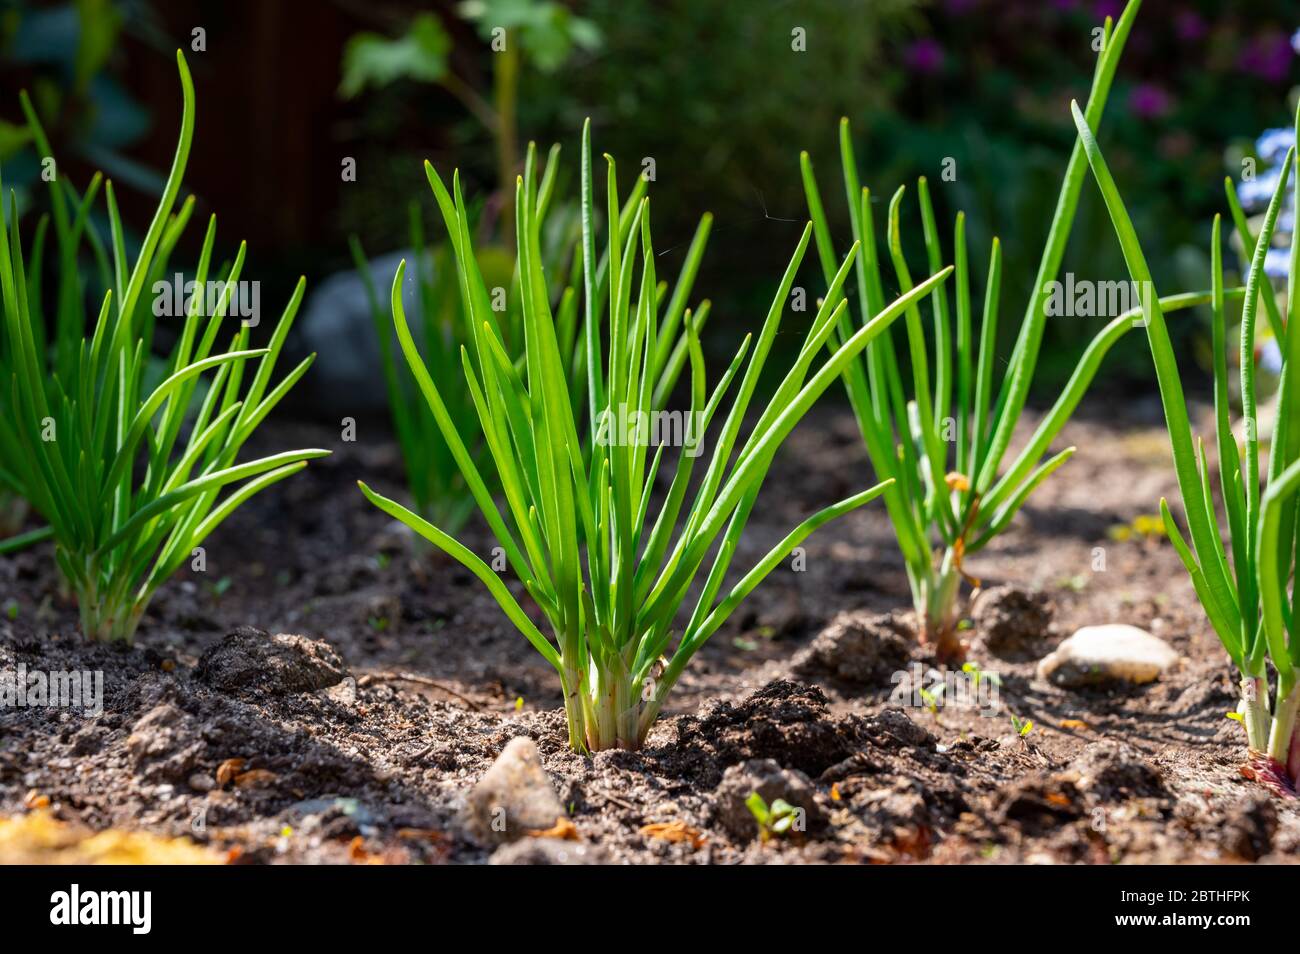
(942, 437)
(123, 459)
(1246, 587)
(438, 488)
(608, 562)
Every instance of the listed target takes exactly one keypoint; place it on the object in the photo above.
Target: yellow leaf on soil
(227, 771)
(254, 778)
(39, 839)
(563, 829)
(674, 831)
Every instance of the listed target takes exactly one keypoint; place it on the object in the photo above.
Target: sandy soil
(361, 741)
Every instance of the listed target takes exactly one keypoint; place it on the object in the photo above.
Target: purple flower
(1108, 8)
(1149, 101)
(924, 56)
(1267, 56)
(1189, 26)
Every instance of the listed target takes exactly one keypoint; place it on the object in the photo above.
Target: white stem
(1254, 711)
(1279, 739)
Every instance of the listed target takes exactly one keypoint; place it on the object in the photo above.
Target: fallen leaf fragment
(40, 839)
(35, 800)
(563, 829)
(1057, 799)
(1073, 724)
(227, 771)
(253, 778)
(676, 831)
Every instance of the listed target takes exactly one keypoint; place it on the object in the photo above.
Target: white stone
(1115, 652)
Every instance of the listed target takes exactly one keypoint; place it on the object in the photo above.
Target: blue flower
(1255, 193)
(1271, 147)
(1277, 261)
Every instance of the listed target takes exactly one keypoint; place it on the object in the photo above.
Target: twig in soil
(418, 680)
(619, 801)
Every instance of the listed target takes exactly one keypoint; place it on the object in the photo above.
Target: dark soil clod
(1012, 622)
(249, 660)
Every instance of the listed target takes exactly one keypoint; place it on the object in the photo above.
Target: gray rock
(337, 324)
(770, 781)
(549, 851)
(514, 796)
(250, 660)
(165, 744)
(1115, 652)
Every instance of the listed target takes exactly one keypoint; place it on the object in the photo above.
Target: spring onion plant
(608, 561)
(1247, 587)
(126, 470)
(438, 489)
(941, 437)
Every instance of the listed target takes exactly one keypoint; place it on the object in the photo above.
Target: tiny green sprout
(11, 609)
(776, 819)
(931, 697)
(220, 586)
(378, 623)
(382, 560)
(1075, 584)
(978, 675)
(519, 704)
(1021, 727)
(748, 645)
